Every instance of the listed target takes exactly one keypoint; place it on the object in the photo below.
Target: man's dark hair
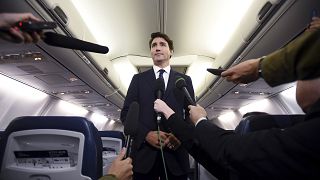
(161, 35)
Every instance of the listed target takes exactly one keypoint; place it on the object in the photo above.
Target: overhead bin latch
(266, 9)
(63, 17)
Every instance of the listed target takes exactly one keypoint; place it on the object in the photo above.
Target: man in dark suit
(146, 150)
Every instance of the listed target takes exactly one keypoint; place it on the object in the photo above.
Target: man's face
(160, 51)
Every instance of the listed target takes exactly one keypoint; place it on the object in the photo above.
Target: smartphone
(215, 71)
(35, 25)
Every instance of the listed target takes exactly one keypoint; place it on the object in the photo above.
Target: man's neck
(162, 65)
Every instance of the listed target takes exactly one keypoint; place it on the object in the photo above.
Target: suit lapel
(150, 78)
(171, 83)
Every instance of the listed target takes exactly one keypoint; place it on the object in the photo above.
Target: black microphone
(131, 125)
(59, 40)
(159, 91)
(182, 85)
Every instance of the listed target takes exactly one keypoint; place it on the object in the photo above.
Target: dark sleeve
(296, 61)
(133, 95)
(263, 151)
(185, 133)
(259, 152)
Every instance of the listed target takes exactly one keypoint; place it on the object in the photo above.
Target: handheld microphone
(131, 126)
(59, 40)
(160, 86)
(182, 85)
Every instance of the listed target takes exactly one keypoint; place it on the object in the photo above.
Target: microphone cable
(161, 149)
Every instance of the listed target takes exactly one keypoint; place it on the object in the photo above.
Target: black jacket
(292, 153)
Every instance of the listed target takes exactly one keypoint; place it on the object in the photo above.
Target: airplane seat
(112, 143)
(266, 121)
(50, 148)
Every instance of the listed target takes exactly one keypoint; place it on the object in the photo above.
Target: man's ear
(171, 53)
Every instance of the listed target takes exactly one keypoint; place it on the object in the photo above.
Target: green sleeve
(108, 177)
(298, 60)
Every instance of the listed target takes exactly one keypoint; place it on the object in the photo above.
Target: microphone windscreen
(180, 83)
(132, 120)
(59, 40)
(160, 86)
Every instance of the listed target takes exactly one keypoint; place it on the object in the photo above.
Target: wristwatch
(259, 67)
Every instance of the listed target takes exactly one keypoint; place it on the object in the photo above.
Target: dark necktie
(161, 71)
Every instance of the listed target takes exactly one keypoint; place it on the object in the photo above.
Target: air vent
(71, 92)
(97, 105)
(53, 79)
(30, 69)
(80, 97)
(22, 57)
(220, 108)
(244, 97)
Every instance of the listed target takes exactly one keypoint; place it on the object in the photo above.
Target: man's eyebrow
(163, 43)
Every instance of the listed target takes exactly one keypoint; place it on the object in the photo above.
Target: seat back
(50, 147)
(261, 122)
(112, 142)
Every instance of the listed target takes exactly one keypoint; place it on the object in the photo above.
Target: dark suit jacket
(292, 153)
(142, 90)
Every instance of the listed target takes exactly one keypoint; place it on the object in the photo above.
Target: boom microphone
(131, 125)
(181, 84)
(59, 40)
(159, 91)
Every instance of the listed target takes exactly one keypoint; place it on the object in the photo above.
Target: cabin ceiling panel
(125, 25)
(190, 24)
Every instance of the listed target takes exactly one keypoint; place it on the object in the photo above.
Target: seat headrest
(92, 142)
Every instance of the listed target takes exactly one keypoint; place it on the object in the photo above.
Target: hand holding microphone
(159, 91)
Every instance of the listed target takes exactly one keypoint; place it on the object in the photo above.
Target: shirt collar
(156, 69)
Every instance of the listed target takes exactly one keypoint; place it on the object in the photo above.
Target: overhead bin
(84, 65)
(267, 26)
(258, 12)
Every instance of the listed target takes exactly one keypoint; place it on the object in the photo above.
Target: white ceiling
(197, 27)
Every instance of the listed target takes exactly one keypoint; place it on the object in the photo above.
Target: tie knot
(161, 71)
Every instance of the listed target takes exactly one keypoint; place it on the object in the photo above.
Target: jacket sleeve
(298, 60)
(185, 132)
(133, 95)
